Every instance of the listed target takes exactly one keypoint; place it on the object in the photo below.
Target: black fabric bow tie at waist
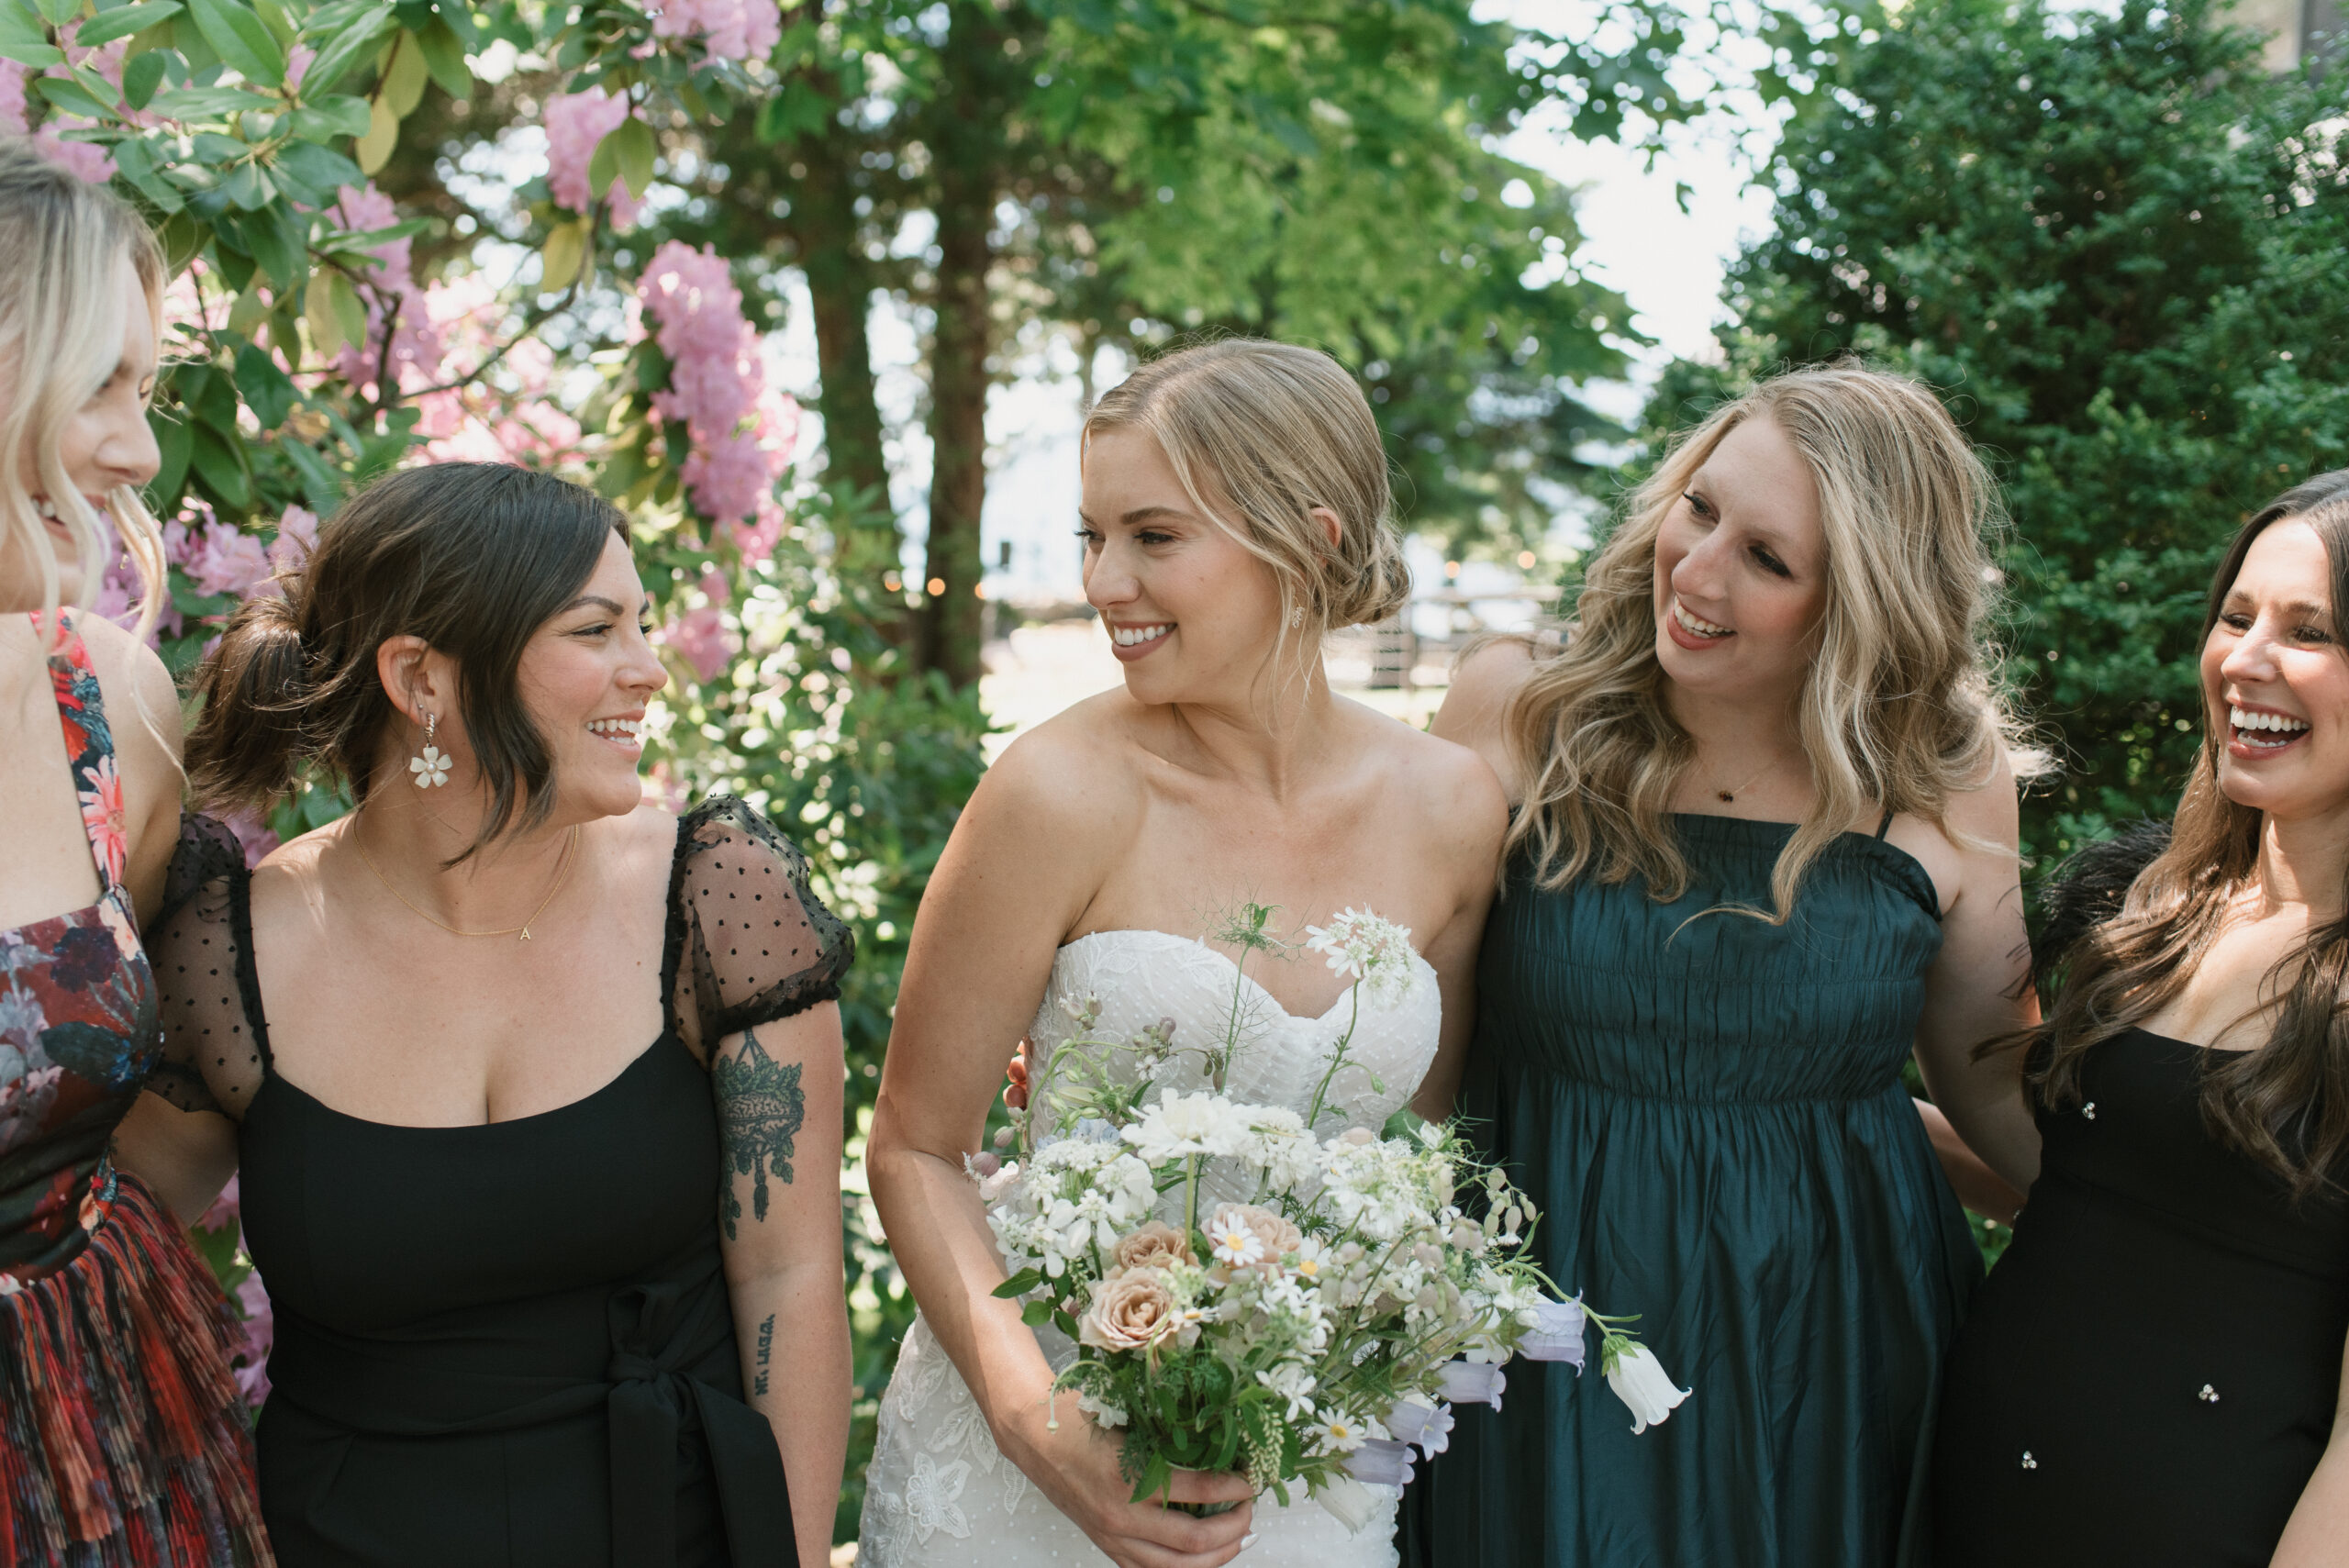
(662, 1336)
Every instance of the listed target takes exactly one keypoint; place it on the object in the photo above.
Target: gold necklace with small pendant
(563, 874)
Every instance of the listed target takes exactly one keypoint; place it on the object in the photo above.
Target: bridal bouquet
(1313, 1333)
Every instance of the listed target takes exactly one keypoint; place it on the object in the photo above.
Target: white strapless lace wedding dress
(939, 1491)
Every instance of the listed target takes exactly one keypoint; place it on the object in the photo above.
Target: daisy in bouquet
(1312, 1335)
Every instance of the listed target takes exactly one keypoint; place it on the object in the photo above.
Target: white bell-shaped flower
(1640, 1380)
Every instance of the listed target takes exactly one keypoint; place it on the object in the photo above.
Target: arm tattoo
(760, 1109)
(766, 1353)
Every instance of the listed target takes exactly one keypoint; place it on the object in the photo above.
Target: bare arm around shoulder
(1025, 860)
(778, 1087)
(1976, 989)
(2317, 1536)
(1477, 705)
(1467, 818)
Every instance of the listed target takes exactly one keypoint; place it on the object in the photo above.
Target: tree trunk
(840, 291)
(967, 144)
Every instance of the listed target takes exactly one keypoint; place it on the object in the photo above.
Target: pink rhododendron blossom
(119, 591)
(260, 1333)
(219, 557)
(576, 123)
(508, 416)
(297, 535)
(254, 836)
(666, 789)
(90, 164)
(701, 635)
(250, 1359)
(12, 99)
(415, 353)
(729, 29)
(740, 434)
(757, 540)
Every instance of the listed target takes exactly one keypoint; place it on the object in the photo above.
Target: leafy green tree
(1136, 169)
(2113, 245)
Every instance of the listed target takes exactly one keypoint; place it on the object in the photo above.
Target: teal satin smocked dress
(1710, 1115)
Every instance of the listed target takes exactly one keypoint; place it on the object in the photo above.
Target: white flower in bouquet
(1288, 1154)
(1340, 1431)
(1275, 1238)
(1361, 946)
(1472, 1383)
(1640, 1380)
(1182, 1127)
(1371, 1184)
(1104, 1415)
(1233, 1241)
(1294, 1383)
(1419, 1419)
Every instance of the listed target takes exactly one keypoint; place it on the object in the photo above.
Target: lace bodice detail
(1146, 977)
(940, 1494)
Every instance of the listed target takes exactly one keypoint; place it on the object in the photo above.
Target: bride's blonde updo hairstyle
(1897, 712)
(60, 339)
(1260, 433)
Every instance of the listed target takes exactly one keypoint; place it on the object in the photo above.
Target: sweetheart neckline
(1226, 959)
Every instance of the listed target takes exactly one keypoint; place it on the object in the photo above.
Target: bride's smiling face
(1191, 614)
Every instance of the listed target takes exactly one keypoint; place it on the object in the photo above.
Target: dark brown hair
(471, 557)
(2286, 1103)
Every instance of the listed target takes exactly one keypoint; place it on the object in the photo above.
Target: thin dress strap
(89, 749)
(1884, 826)
(240, 934)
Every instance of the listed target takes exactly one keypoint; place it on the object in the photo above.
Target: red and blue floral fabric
(79, 1029)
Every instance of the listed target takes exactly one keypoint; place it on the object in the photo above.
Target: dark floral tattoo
(760, 1109)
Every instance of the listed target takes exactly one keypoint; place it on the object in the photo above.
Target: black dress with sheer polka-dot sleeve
(511, 1344)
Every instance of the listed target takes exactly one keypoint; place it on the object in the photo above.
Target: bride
(1235, 508)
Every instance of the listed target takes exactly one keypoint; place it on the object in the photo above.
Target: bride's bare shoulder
(1077, 769)
(1439, 781)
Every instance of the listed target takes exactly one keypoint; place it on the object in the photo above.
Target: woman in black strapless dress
(2152, 1373)
(535, 1090)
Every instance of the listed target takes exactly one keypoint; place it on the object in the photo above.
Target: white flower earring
(431, 768)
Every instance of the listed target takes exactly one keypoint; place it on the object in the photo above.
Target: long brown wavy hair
(1897, 711)
(2286, 1103)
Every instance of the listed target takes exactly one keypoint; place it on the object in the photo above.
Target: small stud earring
(430, 768)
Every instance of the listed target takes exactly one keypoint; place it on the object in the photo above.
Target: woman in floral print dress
(120, 1438)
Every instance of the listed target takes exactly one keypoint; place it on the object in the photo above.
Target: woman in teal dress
(1765, 849)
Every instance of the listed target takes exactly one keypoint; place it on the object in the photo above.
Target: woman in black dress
(2153, 1372)
(525, 1264)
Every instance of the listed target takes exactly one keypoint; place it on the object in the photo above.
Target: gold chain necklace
(562, 875)
(1728, 796)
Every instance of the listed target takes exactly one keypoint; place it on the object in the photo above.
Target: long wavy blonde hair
(60, 337)
(1897, 711)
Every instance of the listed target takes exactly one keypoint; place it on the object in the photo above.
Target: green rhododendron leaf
(241, 40)
(123, 21)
